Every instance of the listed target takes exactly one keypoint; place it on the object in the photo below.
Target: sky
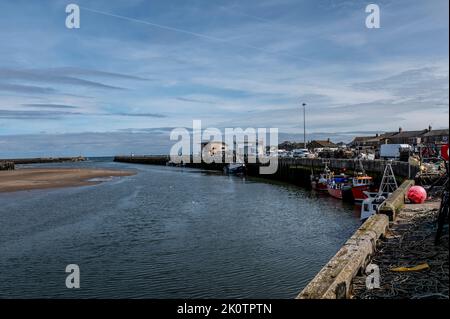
(136, 69)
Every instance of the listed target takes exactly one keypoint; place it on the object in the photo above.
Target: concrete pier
(41, 160)
(396, 201)
(150, 160)
(334, 280)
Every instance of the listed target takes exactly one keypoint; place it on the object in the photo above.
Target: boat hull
(359, 192)
(336, 193)
(319, 186)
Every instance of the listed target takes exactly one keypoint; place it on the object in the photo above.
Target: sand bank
(43, 178)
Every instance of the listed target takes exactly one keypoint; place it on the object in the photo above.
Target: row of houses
(422, 137)
(414, 138)
(312, 145)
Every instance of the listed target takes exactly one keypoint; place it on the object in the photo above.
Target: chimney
(400, 129)
(429, 128)
(328, 140)
(377, 135)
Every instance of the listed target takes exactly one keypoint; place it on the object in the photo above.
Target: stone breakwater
(42, 160)
(7, 166)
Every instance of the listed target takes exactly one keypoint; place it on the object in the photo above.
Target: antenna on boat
(360, 169)
(388, 183)
(326, 163)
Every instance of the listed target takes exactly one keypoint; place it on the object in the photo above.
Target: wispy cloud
(140, 115)
(75, 71)
(33, 115)
(195, 100)
(26, 89)
(50, 106)
(46, 76)
(57, 115)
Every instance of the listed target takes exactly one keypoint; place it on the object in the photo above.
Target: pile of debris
(411, 265)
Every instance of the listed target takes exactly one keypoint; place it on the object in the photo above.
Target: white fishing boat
(373, 202)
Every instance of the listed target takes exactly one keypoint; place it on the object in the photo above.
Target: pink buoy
(417, 195)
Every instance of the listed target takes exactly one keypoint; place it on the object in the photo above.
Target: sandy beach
(44, 178)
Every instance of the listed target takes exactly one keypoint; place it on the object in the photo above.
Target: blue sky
(137, 68)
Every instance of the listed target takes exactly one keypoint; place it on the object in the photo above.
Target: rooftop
(325, 143)
(406, 134)
(437, 133)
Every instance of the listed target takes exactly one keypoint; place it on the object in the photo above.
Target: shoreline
(25, 179)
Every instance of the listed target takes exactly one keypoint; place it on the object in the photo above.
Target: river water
(168, 233)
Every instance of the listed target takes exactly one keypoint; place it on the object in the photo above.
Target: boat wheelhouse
(360, 185)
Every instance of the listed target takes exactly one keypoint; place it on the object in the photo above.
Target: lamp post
(304, 124)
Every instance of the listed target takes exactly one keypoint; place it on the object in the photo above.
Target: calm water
(169, 233)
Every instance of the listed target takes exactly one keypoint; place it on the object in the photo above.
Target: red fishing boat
(360, 185)
(339, 186)
(320, 183)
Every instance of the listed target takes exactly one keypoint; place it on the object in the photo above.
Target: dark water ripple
(168, 233)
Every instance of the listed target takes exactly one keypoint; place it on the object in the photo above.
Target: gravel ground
(410, 242)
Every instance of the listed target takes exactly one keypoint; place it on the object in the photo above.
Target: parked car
(300, 153)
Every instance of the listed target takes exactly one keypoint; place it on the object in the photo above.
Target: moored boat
(373, 202)
(320, 183)
(339, 186)
(360, 185)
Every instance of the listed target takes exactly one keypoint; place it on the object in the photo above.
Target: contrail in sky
(195, 34)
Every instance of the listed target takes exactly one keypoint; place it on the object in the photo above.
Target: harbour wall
(392, 206)
(334, 281)
(335, 278)
(293, 170)
(42, 160)
(7, 166)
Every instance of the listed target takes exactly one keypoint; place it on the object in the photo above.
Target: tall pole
(304, 125)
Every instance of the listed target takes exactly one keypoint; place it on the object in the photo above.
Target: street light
(304, 125)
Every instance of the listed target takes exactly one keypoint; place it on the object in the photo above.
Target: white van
(393, 151)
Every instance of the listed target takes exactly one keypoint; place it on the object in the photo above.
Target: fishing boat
(320, 182)
(361, 183)
(360, 186)
(371, 204)
(374, 201)
(339, 186)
